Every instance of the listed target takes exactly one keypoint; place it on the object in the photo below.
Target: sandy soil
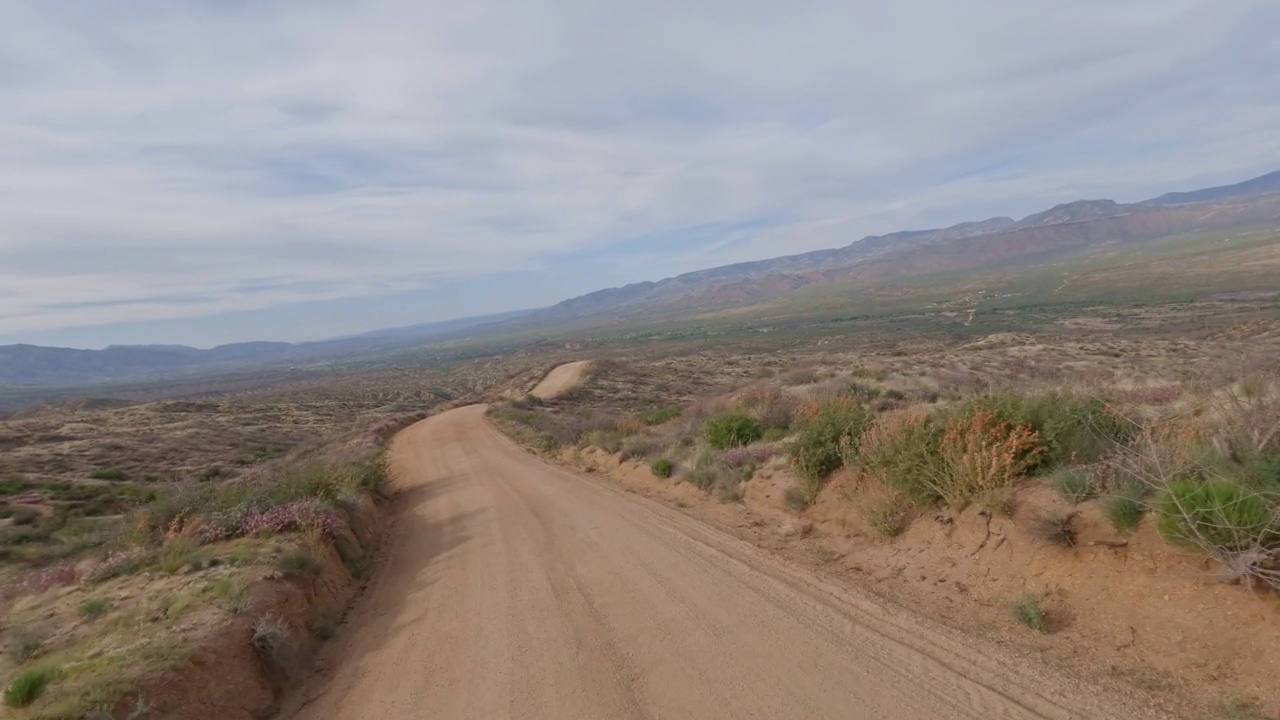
(515, 589)
(560, 379)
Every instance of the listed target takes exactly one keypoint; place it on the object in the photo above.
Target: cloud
(192, 158)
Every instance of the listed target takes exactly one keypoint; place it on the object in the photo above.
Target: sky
(211, 171)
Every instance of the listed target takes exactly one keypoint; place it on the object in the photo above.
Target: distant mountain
(28, 365)
(1079, 211)
(1264, 185)
(1062, 229)
(999, 242)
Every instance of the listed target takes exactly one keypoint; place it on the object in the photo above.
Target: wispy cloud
(160, 159)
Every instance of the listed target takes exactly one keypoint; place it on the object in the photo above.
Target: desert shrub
(902, 449)
(887, 517)
(93, 608)
(703, 474)
(800, 377)
(658, 416)
(608, 440)
(642, 446)
(773, 408)
(799, 496)
(112, 474)
(295, 563)
(662, 468)
(982, 452)
(1026, 611)
(231, 594)
(1075, 485)
(1071, 428)
(823, 432)
(176, 553)
(1055, 528)
(773, 435)
(12, 486)
(119, 563)
(1216, 513)
(749, 455)
(27, 686)
(1125, 506)
(728, 487)
(1242, 464)
(271, 635)
(731, 430)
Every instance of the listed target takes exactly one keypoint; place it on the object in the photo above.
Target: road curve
(514, 589)
(560, 379)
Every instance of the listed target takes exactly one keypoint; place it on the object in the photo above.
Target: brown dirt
(560, 379)
(1123, 607)
(517, 589)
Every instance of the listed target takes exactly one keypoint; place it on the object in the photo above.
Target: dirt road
(560, 379)
(518, 590)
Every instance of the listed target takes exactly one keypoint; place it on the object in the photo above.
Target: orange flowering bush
(984, 452)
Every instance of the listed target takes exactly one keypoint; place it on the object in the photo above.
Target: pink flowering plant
(749, 455)
(38, 581)
(297, 516)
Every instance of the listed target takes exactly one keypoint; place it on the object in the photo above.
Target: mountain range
(995, 242)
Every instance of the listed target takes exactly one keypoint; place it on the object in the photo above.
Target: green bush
(1072, 429)
(659, 416)
(608, 440)
(176, 553)
(904, 450)
(27, 687)
(1026, 611)
(12, 486)
(92, 608)
(887, 517)
(1124, 510)
(1247, 467)
(1075, 485)
(112, 474)
(295, 563)
(732, 430)
(1216, 514)
(662, 468)
(823, 434)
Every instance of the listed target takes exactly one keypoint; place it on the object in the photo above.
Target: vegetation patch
(1216, 514)
(823, 432)
(27, 686)
(731, 430)
(1055, 528)
(1027, 612)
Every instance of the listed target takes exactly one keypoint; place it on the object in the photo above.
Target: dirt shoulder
(1120, 610)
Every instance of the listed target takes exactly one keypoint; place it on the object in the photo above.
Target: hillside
(995, 243)
(1058, 231)
(31, 365)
